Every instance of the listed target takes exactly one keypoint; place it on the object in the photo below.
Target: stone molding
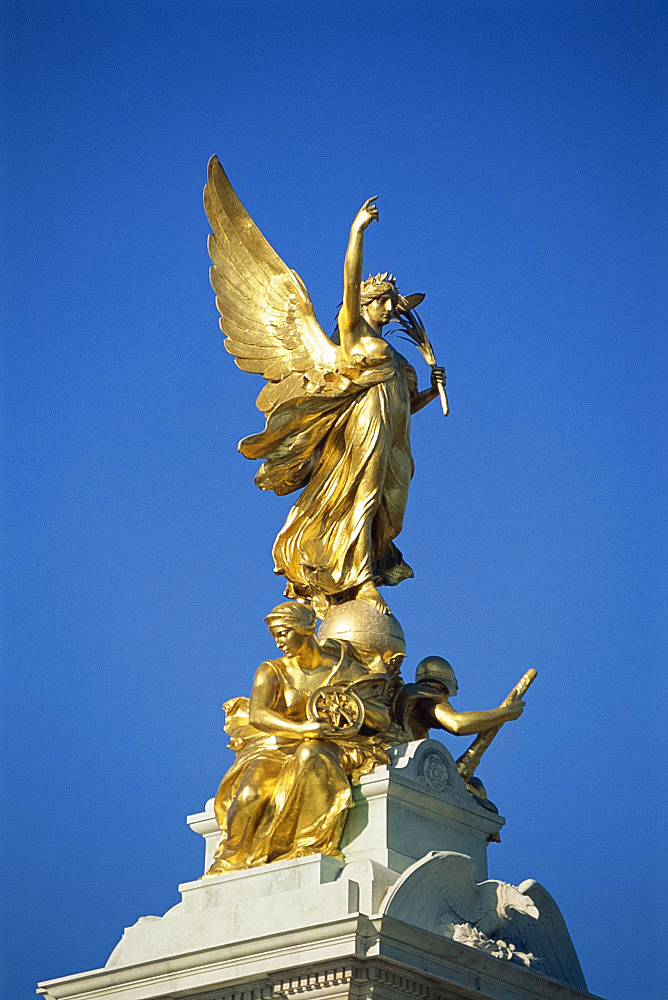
(350, 959)
(369, 978)
(367, 928)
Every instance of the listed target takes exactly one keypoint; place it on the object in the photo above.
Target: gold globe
(366, 627)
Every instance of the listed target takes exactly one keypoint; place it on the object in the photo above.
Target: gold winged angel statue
(337, 414)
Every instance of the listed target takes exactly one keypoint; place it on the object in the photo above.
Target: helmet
(437, 669)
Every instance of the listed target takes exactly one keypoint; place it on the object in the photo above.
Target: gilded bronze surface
(338, 415)
(425, 705)
(337, 428)
(297, 747)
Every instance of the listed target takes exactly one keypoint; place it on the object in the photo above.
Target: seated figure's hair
(293, 614)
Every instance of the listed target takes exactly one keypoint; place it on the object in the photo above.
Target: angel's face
(380, 311)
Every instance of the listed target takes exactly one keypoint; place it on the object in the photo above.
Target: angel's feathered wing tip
(215, 175)
(211, 166)
(265, 311)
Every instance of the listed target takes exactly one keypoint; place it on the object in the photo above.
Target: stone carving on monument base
(345, 850)
(410, 902)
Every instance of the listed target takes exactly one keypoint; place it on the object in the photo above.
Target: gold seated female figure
(288, 791)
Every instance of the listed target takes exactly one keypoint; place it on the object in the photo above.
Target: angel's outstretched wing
(265, 311)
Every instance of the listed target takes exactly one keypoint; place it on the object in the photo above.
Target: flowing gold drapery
(350, 448)
(285, 796)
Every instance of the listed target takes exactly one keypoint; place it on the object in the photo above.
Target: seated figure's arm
(465, 723)
(263, 700)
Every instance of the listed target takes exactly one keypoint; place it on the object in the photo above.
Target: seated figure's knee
(310, 752)
(247, 795)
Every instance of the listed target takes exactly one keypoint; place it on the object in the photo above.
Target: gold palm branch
(413, 327)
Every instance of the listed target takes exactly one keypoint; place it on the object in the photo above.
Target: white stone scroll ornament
(516, 923)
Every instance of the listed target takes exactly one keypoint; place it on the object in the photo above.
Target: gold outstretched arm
(468, 762)
(465, 723)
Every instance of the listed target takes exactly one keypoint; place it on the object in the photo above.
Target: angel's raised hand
(367, 214)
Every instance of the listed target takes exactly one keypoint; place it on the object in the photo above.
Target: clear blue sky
(515, 148)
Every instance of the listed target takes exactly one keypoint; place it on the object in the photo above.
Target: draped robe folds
(349, 447)
(286, 796)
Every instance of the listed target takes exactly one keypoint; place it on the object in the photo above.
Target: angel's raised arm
(351, 310)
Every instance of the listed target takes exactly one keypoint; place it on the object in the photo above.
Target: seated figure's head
(290, 625)
(435, 669)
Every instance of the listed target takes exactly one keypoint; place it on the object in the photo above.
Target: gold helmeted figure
(338, 415)
(337, 427)
(425, 705)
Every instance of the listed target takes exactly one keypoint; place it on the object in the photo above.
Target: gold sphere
(366, 627)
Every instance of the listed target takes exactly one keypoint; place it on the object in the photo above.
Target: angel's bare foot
(368, 592)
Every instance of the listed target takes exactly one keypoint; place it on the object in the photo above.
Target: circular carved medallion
(434, 771)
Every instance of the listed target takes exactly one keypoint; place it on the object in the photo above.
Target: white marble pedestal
(386, 923)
